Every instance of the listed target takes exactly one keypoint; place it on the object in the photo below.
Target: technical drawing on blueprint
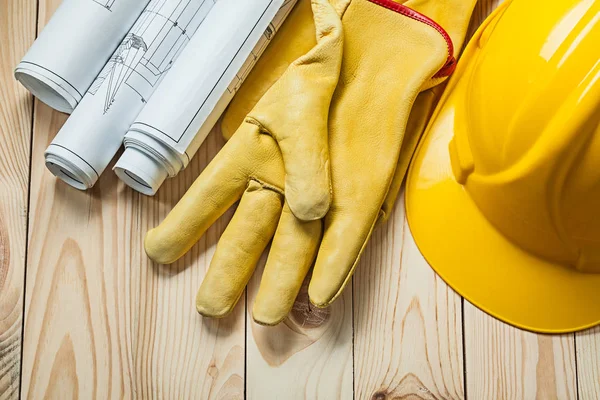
(262, 44)
(150, 48)
(105, 3)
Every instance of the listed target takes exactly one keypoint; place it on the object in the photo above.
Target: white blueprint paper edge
(93, 134)
(196, 92)
(73, 47)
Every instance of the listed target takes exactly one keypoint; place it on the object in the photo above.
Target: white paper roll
(175, 122)
(93, 134)
(65, 59)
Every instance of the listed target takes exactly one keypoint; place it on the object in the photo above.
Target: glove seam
(262, 129)
(265, 185)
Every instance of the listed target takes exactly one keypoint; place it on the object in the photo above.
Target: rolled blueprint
(65, 59)
(93, 134)
(170, 129)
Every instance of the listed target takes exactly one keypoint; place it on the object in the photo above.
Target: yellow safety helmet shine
(503, 196)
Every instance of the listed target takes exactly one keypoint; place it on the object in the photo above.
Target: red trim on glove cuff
(450, 65)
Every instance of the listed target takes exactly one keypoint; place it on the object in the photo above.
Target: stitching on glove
(261, 128)
(450, 64)
(265, 186)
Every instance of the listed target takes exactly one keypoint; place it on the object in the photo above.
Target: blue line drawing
(149, 50)
(120, 67)
(105, 3)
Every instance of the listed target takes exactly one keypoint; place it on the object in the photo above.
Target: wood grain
(308, 356)
(588, 363)
(408, 335)
(102, 321)
(503, 362)
(17, 32)
(408, 323)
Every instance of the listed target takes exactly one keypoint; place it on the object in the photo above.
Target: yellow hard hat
(503, 196)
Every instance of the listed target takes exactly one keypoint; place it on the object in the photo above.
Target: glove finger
(295, 112)
(343, 241)
(219, 186)
(334, 268)
(295, 38)
(239, 249)
(292, 254)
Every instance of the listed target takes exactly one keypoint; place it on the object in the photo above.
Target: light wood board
(101, 321)
(588, 363)
(17, 32)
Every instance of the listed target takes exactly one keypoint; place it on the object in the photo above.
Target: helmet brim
(471, 256)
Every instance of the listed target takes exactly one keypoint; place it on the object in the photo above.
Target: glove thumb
(295, 112)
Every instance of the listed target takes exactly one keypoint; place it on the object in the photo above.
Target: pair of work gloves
(324, 130)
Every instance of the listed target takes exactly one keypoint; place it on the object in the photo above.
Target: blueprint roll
(65, 59)
(93, 134)
(183, 110)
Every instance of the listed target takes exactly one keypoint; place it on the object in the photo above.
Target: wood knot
(379, 395)
(213, 370)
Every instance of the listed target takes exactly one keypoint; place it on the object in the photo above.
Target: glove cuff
(450, 64)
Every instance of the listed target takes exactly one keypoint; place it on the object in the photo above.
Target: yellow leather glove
(390, 53)
(281, 144)
(296, 37)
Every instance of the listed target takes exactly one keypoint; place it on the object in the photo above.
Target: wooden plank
(308, 356)
(408, 335)
(588, 363)
(17, 32)
(503, 362)
(408, 332)
(102, 321)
